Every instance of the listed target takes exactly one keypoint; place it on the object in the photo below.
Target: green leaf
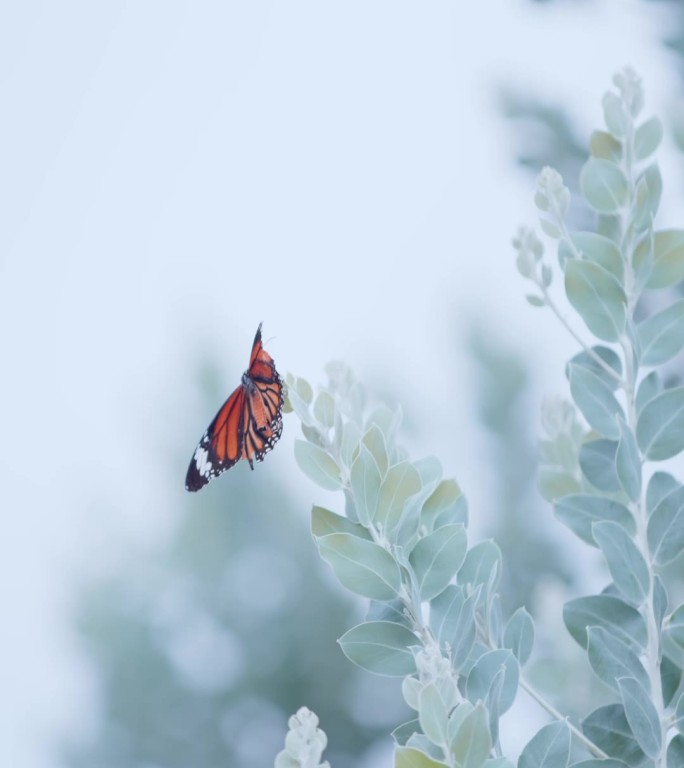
(641, 715)
(608, 728)
(382, 647)
(472, 742)
(676, 626)
(452, 620)
(612, 659)
(597, 460)
(628, 462)
(605, 146)
(614, 114)
(596, 401)
(555, 483)
(598, 298)
(323, 522)
(660, 426)
(596, 763)
(480, 563)
(585, 360)
(668, 258)
(649, 207)
(324, 409)
(647, 390)
(365, 478)
(670, 679)
(374, 440)
(627, 566)
(402, 733)
(362, 566)
(666, 528)
(675, 752)
(519, 635)
(659, 486)
(447, 497)
(647, 138)
(318, 465)
(580, 511)
(437, 557)
(661, 336)
(485, 669)
(679, 714)
(549, 748)
(409, 757)
(600, 250)
(613, 614)
(401, 482)
(604, 185)
(432, 714)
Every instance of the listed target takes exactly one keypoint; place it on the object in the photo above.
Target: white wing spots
(204, 466)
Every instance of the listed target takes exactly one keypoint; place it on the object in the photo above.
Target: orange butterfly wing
(247, 425)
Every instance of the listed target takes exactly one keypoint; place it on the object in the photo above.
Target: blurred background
(351, 174)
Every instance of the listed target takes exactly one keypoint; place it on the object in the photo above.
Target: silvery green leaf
(549, 228)
(628, 462)
(647, 390)
(666, 528)
(365, 478)
(456, 718)
(642, 259)
(660, 601)
(670, 679)
(610, 225)
(641, 715)
(502, 762)
(323, 522)
(546, 275)
(452, 621)
(596, 401)
(604, 185)
(668, 258)
(580, 511)
(596, 763)
(313, 435)
(608, 728)
(588, 362)
(549, 748)
(472, 743)
(614, 114)
(535, 301)
(437, 557)
(485, 669)
(612, 659)
(381, 647)
(626, 565)
(613, 614)
(421, 743)
(597, 461)
(660, 426)
(318, 465)
(394, 611)
(555, 483)
(643, 205)
(410, 757)
(675, 752)
(647, 138)
(605, 146)
(494, 617)
(402, 733)
(374, 440)
(351, 436)
(446, 504)
(661, 336)
(598, 298)
(600, 250)
(400, 483)
(386, 419)
(362, 566)
(324, 409)
(493, 702)
(410, 690)
(649, 207)
(482, 565)
(432, 714)
(676, 626)
(679, 714)
(519, 635)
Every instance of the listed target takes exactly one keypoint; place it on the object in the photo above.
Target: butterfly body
(247, 425)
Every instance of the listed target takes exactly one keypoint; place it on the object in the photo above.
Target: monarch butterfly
(247, 425)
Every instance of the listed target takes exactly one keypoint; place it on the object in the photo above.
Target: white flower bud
(305, 741)
(631, 90)
(551, 189)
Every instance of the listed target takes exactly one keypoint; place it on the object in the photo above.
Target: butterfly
(247, 425)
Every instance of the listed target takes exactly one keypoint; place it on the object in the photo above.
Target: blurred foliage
(204, 648)
(530, 555)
